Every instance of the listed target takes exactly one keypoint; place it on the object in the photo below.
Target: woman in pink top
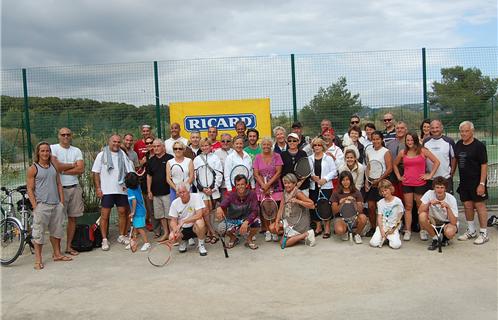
(267, 169)
(414, 178)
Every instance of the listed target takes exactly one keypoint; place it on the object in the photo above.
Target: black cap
(297, 124)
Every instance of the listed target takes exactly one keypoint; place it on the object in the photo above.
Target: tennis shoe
(345, 237)
(274, 237)
(424, 235)
(407, 236)
(357, 239)
(311, 241)
(482, 238)
(191, 242)
(105, 245)
(121, 239)
(183, 246)
(267, 236)
(467, 235)
(128, 246)
(145, 247)
(202, 250)
(433, 245)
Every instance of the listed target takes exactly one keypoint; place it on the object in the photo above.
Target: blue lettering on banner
(222, 122)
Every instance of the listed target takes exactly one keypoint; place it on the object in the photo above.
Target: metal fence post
(424, 85)
(294, 102)
(158, 104)
(26, 115)
(493, 100)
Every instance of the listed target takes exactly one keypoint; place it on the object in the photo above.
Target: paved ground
(331, 280)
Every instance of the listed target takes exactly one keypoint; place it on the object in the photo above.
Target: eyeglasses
(292, 140)
(148, 143)
(387, 120)
(355, 122)
(65, 134)
(317, 145)
(226, 141)
(177, 149)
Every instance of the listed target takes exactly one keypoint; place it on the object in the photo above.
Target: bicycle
(15, 226)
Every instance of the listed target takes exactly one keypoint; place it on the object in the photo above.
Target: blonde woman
(187, 169)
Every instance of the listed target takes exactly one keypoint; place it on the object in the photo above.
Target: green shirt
(253, 152)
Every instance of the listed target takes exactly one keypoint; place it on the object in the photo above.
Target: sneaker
(254, 238)
(407, 236)
(202, 250)
(467, 235)
(267, 236)
(274, 237)
(482, 238)
(128, 246)
(145, 247)
(121, 239)
(183, 246)
(105, 245)
(311, 241)
(345, 237)
(357, 239)
(424, 235)
(433, 245)
(191, 242)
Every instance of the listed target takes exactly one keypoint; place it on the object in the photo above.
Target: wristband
(482, 183)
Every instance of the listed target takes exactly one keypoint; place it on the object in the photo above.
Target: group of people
(153, 184)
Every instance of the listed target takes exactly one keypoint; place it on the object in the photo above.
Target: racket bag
(82, 240)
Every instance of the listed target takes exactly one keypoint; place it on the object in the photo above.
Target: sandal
(233, 243)
(251, 245)
(38, 266)
(72, 252)
(326, 235)
(214, 240)
(317, 233)
(62, 259)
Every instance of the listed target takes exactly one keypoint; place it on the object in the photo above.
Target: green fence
(96, 100)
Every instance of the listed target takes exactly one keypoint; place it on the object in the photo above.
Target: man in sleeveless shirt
(47, 198)
(68, 160)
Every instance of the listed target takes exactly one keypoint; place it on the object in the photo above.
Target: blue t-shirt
(136, 194)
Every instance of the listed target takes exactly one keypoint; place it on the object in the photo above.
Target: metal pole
(493, 100)
(26, 115)
(294, 102)
(158, 105)
(424, 76)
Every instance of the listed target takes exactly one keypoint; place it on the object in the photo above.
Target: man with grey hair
(109, 170)
(390, 130)
(223, 153)
(472, 159)
(186, 219)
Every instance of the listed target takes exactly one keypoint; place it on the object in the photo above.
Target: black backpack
(83, 238)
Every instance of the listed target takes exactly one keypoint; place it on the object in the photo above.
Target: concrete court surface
(334, 280)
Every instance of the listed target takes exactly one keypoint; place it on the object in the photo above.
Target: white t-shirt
(337, 154)
(449, 199)
(214, 163)
(391, 211)
(184, 164)
(442, 148)
(169, 144)
(233, 160)
(109, 179)
(183, 211)
(67, 155)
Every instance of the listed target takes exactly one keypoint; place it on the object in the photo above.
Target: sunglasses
(226, 141)
(292, 140)
(65, 134)
(177, 149)
(355, 122)
(387, 120)
(148, 143)
(317, 145)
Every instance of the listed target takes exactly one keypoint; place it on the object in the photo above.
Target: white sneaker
(145, 247)
(424, 235)
(183, 246)
(467, 235)
(274, 237)
(128, 246)
(191, 242)
(345, 237)
(105, 245)
(202, 250)
(311, 241)
(121, 239)
(267, 236)
(357, 239)
(482, 238)
(254, 238)
(407, 236)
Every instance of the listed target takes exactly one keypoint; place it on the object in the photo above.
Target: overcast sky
(62, 32)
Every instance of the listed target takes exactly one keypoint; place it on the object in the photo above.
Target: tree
(336, 103)
(463, 94)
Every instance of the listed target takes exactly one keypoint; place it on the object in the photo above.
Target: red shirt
(140, 148)
(215, 146)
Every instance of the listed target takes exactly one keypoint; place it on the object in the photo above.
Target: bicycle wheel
(12, 240)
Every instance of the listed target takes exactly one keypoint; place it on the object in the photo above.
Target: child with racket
(389, 213)
(137, 208)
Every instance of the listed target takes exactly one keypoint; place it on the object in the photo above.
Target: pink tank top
(414, 168)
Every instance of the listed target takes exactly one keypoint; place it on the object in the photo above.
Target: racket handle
(284, 242)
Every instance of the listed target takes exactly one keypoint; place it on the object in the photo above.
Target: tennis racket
(221, 230)
(289, 221)
(349, 214)
(323, 207)
(438, 219)
(302, 168)
(177, 174)
(492, 180)
(375, 170)
(160, 255)
(132, 239)
(239, 169)
(268, 205)
(205, 178)
(394, 214)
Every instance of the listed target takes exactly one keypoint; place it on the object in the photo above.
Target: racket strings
(205, 177)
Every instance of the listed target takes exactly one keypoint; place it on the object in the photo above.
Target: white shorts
(393, 238)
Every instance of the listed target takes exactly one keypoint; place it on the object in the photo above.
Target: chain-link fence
(96, 100)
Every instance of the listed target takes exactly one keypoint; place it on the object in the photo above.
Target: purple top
(268, 170)
(245, 207)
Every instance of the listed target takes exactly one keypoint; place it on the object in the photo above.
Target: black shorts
(188, 233)
(467, 192)
(109, 200)
(373, 194)
(415, 189)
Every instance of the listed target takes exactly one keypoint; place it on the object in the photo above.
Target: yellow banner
(223, 114)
